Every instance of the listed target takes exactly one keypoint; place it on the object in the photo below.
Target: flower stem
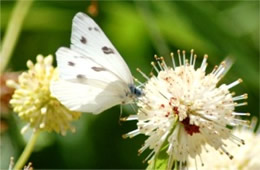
(27, 151)
(176, 165)
(152, 28)
(13, 30)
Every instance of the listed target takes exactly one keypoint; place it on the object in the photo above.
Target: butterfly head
(134, 91)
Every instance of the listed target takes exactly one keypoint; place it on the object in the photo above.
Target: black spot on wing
(81, 56)
(93, 28)
(96, 29)
(107, 50)
(81, 76)
(97, 69)
(82, 16)
(70, 63)
(83, 40)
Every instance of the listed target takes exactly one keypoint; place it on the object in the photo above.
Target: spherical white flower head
(246, 157)
(185, 107)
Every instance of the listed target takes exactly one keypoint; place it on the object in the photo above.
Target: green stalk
(176, 165)
(27, 151)
(152, 28)
(12, 32)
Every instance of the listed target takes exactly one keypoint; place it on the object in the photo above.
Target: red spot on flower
(162, 106)
(167, 115)
(173, 98)
(175, 109)
(190, 129)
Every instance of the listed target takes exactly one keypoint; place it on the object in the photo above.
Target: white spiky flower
(246, 157)
(183, 108)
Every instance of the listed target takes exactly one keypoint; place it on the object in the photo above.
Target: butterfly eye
(134, 90)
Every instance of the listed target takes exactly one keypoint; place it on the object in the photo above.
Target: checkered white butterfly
(92, 74)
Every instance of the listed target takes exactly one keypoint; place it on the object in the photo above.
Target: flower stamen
(142, 73)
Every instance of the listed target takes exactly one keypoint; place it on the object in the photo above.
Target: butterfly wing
(84, 85)
(74, 66)
(93, 75)
(87, 38)
(83, 97)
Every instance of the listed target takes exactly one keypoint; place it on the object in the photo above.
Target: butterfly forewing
(74, 66)
(88, 39)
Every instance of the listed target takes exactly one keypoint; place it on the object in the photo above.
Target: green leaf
(160, 162)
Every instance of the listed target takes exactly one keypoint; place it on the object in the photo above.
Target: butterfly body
(92, 74)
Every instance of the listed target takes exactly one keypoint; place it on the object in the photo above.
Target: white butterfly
(92, 74)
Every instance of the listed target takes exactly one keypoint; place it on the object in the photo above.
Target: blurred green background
(138, 30)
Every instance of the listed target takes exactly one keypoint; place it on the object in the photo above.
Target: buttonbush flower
(33, 102)
(246, 157)
(183, 109)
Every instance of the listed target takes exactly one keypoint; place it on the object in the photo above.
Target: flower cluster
(247, 156)
(183, 109)
(33, 102)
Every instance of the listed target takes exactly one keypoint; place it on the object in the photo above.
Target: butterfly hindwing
(83, 97)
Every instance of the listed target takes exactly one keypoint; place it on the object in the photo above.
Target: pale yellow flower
(33, 102)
